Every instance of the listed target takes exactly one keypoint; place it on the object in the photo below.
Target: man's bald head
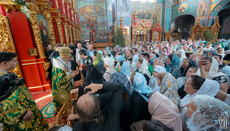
(88, 107)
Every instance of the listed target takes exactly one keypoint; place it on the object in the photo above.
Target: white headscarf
(109, 62)
(144, 68)
(209, 87)
(211, 114)
(165, 111)
(159, 69)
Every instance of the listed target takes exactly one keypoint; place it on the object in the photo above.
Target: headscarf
(175, 62)
(211, 114)
(159, 69)
(144, 68)
(109, 62)
(125, 69)
(165, 111)
(134, 62)
(140, 86)
(209, 87)
(213, 71)
(120, 58)
(169, 88)
(98, 58)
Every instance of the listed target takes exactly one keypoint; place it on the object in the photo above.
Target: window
(145, 0)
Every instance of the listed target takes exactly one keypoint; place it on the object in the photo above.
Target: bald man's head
(88, 107)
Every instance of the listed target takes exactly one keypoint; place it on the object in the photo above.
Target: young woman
(142, 67)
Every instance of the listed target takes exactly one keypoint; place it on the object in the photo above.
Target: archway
(224, 20)
(183, 24)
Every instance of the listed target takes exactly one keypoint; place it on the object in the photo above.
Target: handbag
(62, 96)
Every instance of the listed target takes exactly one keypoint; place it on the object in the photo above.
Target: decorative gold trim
(46, 66)
(34, 22)
(28, 60)
(58, 21)
(6, 41)
(66, 33)
(70, 34)
(34, 87)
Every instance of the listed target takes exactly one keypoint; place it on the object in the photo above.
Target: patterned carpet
(45, 105)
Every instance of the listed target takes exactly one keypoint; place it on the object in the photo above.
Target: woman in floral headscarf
(173, 62)
(168, 87)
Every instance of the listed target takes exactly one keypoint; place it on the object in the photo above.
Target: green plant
(20, 2)
(118, 38)
(208, 36)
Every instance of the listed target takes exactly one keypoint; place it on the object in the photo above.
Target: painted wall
(100, 11)
(148, 11)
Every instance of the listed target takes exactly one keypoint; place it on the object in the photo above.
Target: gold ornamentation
(34, 22)
(46, 66)
(70, 34)
(66, 34)
(58, 21)
(74, 35)
(6, 41)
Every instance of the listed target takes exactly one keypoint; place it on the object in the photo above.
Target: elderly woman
(99, 63)
(165, 111)
(108, 64)
(196, 85)
(168, 87)
(207, 113)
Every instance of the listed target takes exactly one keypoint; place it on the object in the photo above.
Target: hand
(80, 68)
(29, 115)
(202, 62)
(73, 91)
(73, 117)
(94, 88)
(74, 73)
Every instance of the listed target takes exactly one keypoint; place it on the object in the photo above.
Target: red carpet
(42, 99)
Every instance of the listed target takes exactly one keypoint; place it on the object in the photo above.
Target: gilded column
(37, 35)
(6, 41)
(74, 35)
(50, 25)
(70, 34)
(58, 21)
(66, 33)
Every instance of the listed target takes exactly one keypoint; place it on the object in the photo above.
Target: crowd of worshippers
(183, 85)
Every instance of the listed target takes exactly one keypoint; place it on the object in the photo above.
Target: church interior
(28, 26)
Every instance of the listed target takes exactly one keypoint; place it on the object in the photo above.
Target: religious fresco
(123, 10)
(151, 11)
(93, 27)
(187, 7)
(43, 27)
(203, 9)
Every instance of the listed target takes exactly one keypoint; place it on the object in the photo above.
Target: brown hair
(187, 60)
(197, 81)
(160, 76)
(141, 60)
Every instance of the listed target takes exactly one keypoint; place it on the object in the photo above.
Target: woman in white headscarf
(108, 64)
(153, 80)
(196, 85)
(208, 114)
(142, 67)
(209, 68)
(165, 111)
